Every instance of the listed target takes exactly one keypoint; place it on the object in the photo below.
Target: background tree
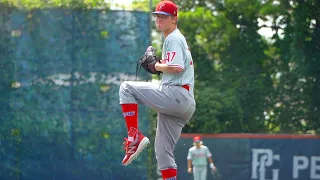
(264, 75)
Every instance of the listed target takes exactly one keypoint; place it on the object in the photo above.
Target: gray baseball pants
(175, 107)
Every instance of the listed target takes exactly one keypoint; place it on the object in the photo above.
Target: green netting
(59, 80)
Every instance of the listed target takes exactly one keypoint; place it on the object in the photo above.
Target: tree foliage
(273, 80)
(36, 4)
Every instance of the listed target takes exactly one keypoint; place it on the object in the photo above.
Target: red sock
(169, 174)
(130, 114)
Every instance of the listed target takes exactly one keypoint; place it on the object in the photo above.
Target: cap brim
(161, 12)
(197, 141)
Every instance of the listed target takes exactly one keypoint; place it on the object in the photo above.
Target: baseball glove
(216, 175)
(148, 61)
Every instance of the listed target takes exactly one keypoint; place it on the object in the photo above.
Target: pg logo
(262, 160)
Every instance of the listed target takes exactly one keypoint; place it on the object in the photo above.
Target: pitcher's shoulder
(175, 36)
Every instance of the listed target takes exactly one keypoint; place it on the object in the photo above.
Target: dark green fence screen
(60, 72)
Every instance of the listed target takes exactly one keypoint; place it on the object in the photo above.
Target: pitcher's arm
(168, 69)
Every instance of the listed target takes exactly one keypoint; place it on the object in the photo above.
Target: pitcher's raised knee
(125, 95)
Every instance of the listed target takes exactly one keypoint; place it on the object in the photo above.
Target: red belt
(186, 87)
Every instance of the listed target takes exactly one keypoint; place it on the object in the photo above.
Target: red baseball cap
(197, 139)
(166, 8)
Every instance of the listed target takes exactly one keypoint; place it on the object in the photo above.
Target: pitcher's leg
(165, 99)
(130, 114)
(167, 134)
(136, 141)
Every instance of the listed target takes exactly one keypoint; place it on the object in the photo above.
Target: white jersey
(199, 156)
(176, 53)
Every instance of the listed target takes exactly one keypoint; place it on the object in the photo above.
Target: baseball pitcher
(198, 156)
(173, 98)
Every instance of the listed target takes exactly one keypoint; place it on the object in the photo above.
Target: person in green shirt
(198, 157)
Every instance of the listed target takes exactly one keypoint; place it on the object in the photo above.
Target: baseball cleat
(133, 148)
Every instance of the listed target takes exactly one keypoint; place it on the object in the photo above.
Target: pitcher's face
(164, 22)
